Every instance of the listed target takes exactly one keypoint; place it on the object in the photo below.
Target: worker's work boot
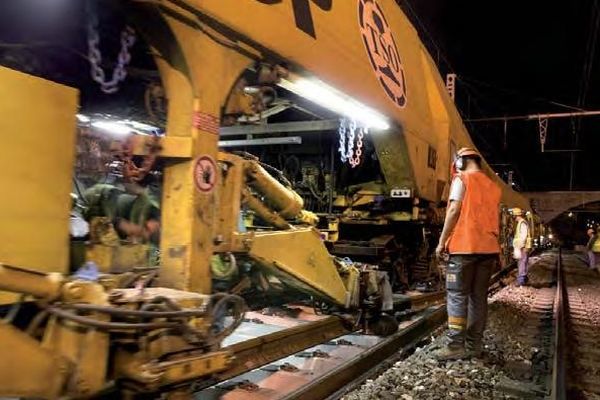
(450, 353)
(474, 350)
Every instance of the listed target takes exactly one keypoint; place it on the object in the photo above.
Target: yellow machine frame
(201, 47)
(209, 46)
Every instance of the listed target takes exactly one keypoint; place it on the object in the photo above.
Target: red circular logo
(382, 50)
(205, 174)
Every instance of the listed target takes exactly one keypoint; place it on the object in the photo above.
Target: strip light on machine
(117, 126)
(112, 127)
(336, 101)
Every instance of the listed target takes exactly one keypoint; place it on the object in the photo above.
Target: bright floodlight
(336, 101)
(83, 118)
(112, 127)
(140, 126)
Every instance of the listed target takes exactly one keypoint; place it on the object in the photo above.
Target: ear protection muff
(459, 163)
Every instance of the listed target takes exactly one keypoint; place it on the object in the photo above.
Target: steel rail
(335, 383)
(427, 299)
(262, 350)
(561, 310)
(339, 381)
(503, 273)
(357, 370)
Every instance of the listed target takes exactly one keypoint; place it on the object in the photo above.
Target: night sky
(515, 58)
(511, 58)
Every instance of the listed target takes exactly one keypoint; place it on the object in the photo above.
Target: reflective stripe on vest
(596, 246)
(477, 228)
(518, 239)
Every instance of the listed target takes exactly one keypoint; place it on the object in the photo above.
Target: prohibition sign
(205, 174)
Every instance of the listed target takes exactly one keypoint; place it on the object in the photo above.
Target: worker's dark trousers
(523, 267)
(467, 281)
(591, 259)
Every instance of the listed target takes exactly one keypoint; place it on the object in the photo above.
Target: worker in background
(521, 245)
(469, 240)
(593, 247)
(134, 212)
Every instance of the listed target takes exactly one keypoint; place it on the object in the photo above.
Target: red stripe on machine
(206, 122)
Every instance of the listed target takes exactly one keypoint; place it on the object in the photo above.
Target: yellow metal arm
(285, 202)
(263, 211)
(36, 284)
(300, 259)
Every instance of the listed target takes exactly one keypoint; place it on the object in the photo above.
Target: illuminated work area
(254, 199)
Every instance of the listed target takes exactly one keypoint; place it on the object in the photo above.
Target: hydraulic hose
(121, 312)
(106, 325)
(226, 302)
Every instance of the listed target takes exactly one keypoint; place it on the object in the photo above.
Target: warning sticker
(400, 193)
(382, 50)
(205, 174)
(206, 122)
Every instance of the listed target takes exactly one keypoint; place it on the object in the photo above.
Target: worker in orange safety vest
(469, 240)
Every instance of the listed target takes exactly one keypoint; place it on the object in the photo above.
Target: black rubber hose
(105, 325)
(36, 322)
(137, 313)
(221, 307)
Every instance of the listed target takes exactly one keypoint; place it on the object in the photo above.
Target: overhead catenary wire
(590, 51)
(537, 116)
(470, 86)
(465, 80)
(474, 94)
(419, 22)
(472, 127)
(584, 84)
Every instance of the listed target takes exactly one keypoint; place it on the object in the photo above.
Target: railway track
(576, 366)
(560, 325)
(542, 343)
(328, 355)
(328, 360)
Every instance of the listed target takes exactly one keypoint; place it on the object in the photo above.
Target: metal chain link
(342, 134)
(95, 56)
(347, 134)
(359, 145)
(350, 140)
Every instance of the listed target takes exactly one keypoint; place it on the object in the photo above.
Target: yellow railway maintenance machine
(89, 334)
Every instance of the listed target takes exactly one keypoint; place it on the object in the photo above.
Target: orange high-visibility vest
(477, 229)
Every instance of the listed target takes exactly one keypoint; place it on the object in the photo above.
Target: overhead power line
(590, 51)
(469, 80)
(439, 51)
(536, 116)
